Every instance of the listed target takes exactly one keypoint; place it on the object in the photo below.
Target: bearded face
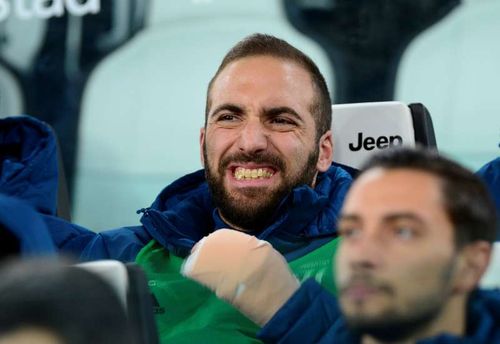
(408, 311)
(251, 207)
(260, 141)
(398, 271)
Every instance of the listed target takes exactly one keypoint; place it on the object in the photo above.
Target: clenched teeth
(241, 173)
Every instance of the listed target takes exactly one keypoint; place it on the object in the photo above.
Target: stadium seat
(360, 129)
(130, 284)
(10, 90)
(444, 66)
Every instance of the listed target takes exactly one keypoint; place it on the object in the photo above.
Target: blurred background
(123, 82)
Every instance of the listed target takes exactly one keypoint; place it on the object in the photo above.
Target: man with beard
(267, 151)
(417, 232)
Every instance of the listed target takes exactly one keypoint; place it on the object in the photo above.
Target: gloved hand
(244, 271)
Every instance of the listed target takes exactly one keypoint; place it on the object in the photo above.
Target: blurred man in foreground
(43, 301)
(417, 235)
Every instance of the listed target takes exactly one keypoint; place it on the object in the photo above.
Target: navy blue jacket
(490, 173)
(26, 226)
(312, 315)
(28, 161)
(26, 145)
(180, 216)
(183, 213)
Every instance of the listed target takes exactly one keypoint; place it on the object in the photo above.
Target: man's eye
(282, 121)
(404, 232)
(226, 117)
(349, 232)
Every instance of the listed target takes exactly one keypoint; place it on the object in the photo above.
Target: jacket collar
(184, 213)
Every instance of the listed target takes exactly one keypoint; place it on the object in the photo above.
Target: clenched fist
(244, 271)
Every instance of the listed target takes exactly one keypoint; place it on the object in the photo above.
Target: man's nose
(366, 251)
(253, 137)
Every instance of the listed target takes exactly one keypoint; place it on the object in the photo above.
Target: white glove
(244, 271)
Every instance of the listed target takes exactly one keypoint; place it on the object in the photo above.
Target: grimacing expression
(397, 259)
(259, 141)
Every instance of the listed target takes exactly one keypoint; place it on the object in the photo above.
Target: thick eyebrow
(349, 217)
(228, 107)
(403, 216)
(392, 217)
(272, 112)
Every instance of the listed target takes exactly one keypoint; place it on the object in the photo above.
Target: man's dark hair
(267, 45)
(466, 199)
(73, 304)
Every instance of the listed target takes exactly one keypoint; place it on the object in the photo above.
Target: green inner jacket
(187, 312)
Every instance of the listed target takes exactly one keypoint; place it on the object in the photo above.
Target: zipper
(144, 211)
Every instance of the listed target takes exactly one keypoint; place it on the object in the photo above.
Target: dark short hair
(466, 199)
(267, 45)
(70, 302)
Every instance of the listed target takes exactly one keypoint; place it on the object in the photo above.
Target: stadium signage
(27, 9)
(369, 143)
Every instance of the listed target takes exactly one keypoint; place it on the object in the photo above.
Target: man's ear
(202, 143)
(325, 157)
(473, 262)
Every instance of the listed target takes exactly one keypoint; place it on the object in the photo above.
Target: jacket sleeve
(82, 244)
(309, 316)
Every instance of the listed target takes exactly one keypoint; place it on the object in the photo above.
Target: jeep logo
(370, 143)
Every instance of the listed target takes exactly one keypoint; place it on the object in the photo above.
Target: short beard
(259, 211)
(396, 325)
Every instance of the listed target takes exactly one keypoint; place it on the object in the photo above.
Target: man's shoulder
(122, 244)
(344, 171)
(187, 186)
(20, 220)
(483, 318)
(490, 170)
(488, 298)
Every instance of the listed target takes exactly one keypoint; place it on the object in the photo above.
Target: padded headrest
(360, 129)
(131, 286)
(114, 273)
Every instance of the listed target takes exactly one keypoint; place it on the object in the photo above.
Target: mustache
(365, 280)
(258, 158)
